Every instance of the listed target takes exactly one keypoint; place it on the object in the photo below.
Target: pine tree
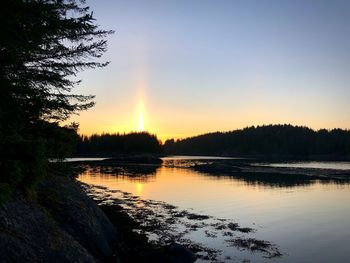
(43, 45)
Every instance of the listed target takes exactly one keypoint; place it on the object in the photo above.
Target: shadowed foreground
(62, 224)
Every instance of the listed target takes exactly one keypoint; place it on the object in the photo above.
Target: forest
(283, 141)
(112, 144)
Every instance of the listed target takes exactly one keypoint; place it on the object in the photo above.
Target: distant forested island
(268, 141)
(108, 144)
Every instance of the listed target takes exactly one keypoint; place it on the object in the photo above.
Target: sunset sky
(180, 68)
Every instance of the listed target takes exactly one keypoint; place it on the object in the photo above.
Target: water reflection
(267, 180)
(145, 173)
(130, 172)
(274, 180)
(345, 166)
(231, 170)
(307, 217)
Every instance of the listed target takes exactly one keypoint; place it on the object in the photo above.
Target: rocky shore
(60, 223)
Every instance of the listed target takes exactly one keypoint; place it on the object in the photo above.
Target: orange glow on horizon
(143, 109)
(197, 85)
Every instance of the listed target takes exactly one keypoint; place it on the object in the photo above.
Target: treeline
(114, 144)
(271, 140)
(43, 45)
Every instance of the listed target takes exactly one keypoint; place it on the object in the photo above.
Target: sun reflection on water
(139, 187)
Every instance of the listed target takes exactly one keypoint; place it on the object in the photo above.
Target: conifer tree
(43, 45)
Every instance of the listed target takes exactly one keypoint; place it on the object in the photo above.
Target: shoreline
(161, 222)
(226, 166)
(127, 228)
(115, 226)
(59, 222)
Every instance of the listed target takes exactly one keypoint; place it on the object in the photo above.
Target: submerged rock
(181, 254)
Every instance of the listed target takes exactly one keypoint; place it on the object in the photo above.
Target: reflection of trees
(227, 169)
(343, 181)
(265, 179)
(231, 170)
(135, 172)
(273, 180)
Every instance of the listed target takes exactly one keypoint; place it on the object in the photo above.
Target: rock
(174, 253)
(27, 234)
(78, 215)
(61, 225)
(181, 254)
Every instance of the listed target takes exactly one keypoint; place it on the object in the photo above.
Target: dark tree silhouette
(277, 141)
(43, 44)
(114, 144)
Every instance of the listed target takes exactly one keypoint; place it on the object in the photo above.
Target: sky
(182, 68)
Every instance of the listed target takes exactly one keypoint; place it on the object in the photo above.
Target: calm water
(318, 165)
(309, 221)
(83, 159)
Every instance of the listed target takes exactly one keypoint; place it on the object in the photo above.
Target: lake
(308, 221)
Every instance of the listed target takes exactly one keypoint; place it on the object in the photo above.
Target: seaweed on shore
(255, 245)
(163, 224)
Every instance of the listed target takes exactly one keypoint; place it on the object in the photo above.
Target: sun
(140, 124)
(141, 116)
